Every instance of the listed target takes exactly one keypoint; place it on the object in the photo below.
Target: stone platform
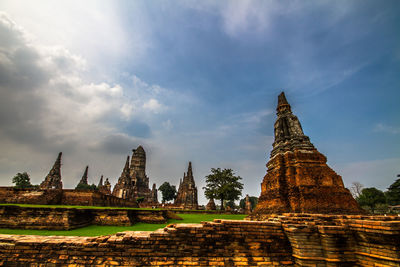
(70, 218)
(280, 240)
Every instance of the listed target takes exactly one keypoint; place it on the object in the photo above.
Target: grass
(96, 230)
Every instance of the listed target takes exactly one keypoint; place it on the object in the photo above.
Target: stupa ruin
(298, 178)
(53, 179)
(84, 179)
(187, 191)
(124, 187)
(134, 182)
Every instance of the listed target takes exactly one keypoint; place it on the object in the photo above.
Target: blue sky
(197, 80)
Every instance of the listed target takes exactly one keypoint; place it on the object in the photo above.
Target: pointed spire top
(283, 104)
(84, 179)
(126, 168)
(190, 172)
(282, 99)
(101, 181)
(59, 157)
(53, 179)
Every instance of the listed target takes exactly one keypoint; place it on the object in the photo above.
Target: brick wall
(70, 218)
(209, 244)
(61, 197)
(285, 240)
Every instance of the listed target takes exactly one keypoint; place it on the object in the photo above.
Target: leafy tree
(393, 193)
(223, 185)
(370, 197)
(230, 204)
(168, 192)
(139, 200)
(82, 186)
(22, 180)
(253, 202)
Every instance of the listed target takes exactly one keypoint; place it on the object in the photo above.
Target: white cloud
(381, 127)
(47, 106)
(93, 29)
(153, 105)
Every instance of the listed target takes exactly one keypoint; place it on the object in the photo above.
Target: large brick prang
(298, 178)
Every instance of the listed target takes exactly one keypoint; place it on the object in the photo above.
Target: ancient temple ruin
(247, 205)
(138, 175)
(104, 188)
(211, 205)
(134, 182)
(84, 179)
(53, 179)
(298, 178)
(154, 194)
(187, 191)
(124, 187)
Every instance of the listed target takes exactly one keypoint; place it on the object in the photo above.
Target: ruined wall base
(13, 195)
(17, 217)
(279, 240)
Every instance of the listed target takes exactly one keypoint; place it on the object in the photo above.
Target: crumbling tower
(298, 178)
(53, 179)
(247, 205)
(104, 188)
(84, 179)
(137, 172)
(124, 187)
(154, 194)
(187, 192)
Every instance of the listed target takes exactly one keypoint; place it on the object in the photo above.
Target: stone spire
(124, 187)
(187, 191)
(138, 175)
(101, 182)
(154, 194)
(107, 185)
(190, 173)
(53, 179)
(104, 188)
(84, 179)
(247, 205)
(298, 178)
(288, 131)
(211, 205)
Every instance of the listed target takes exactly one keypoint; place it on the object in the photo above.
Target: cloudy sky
(197, 80)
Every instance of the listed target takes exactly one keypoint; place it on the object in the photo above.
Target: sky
(197, 81)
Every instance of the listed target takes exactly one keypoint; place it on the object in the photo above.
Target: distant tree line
(375, 200)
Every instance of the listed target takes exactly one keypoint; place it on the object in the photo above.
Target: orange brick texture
(280, 240)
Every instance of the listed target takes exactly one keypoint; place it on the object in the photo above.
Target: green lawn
(95, 230)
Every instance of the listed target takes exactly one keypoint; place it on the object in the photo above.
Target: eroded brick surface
(279, 240)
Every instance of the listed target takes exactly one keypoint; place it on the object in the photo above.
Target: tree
(223, 185)
(83, 186)
(168, 192)
(393, 193)
(371, 197)
(139, 200)
(356, 189)
(253, 202)
(22, 180)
